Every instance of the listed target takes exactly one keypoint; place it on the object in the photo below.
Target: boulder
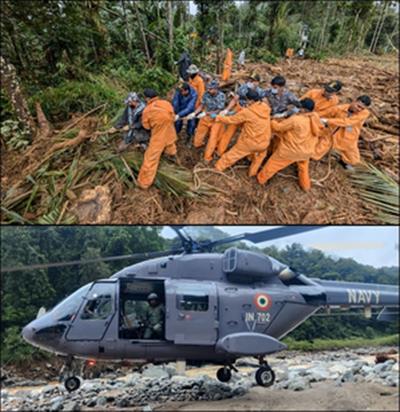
(385, 366)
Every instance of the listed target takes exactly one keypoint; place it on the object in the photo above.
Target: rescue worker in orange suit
(298, 138)
(197, 82)
(255, 133)
(159, 117)
(212, 103)
(324, 99)
(344, 127)
(226, 74)
(236, 104)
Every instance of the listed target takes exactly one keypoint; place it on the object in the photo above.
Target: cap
(252, 95)
(150, 93)
(152, 296)
(333, 87)
(256, 77)
(192, 69)
(213, 84)
(307, 104)
(132, 97)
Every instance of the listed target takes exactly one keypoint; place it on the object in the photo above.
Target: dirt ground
(321, 397)
(238, 199)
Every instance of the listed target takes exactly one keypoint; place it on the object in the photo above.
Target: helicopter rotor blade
(262, 236)
(136, 256)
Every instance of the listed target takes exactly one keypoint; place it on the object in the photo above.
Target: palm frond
(379, 190)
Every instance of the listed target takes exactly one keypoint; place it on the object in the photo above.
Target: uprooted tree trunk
(12, 87)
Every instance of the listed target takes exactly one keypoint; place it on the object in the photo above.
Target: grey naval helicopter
(218, 306)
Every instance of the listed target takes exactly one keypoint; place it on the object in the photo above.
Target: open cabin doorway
(139, 317)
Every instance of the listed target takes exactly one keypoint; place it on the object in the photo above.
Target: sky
(371, 245)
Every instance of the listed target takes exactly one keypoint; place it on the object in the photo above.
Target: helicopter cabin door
(191, 312)
(95, 313)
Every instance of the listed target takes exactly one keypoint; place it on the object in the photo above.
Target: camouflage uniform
(154, 321)
(279, 104)
(132, 117)
(244, 88)
(213, 103)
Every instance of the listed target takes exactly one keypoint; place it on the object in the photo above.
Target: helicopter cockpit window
(192, 303)
(69, 307)
(99, 303)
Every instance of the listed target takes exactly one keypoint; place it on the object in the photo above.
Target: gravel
(158, 384)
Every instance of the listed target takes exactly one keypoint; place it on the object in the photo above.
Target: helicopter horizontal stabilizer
(388, 315)
(248, 343)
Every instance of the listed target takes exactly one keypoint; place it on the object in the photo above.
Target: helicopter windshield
(67, 308)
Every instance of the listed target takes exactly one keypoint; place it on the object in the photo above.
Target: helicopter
(218, 307)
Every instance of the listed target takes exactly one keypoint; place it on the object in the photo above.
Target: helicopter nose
(28, 333)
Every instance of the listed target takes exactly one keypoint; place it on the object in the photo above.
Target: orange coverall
(198, 84)
(159, 117)
(342, 134)
(205, 125)
(226, 74)
(323, 105)
(254, 137)
(227, 133)
(289, 53)
(298, 138)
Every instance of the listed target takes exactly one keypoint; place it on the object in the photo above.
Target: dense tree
(71, 55)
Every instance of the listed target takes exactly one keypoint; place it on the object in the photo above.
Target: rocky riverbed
(161, 387)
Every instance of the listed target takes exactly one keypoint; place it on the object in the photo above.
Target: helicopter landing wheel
(72, 383)
(265, 376)
(224, 374)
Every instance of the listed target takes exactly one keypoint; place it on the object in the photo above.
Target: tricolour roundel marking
(262, 301)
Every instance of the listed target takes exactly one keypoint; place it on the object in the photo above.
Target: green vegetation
(23, 293)
(75, 55)
(380, 190)
(332, 344)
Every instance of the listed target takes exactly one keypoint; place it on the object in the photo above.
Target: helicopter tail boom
(361, 295)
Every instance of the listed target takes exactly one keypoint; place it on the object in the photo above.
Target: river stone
(392, 380)
(101, 401)
(57, 403)
(71, 406)
(171, 370)
(317, 374)
(347, 376)
(155, 372)
(365, 370)
(133, 378)
(298, 384)
(386, 366)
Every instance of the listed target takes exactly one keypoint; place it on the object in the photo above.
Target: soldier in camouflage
(132, 117)
(279, 98)
(154, 318)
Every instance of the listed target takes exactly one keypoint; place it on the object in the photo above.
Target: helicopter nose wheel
(224, 374)
(72, 383)
(265, 376)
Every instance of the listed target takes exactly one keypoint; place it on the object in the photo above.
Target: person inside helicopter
(142, 316)
(154, 318)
